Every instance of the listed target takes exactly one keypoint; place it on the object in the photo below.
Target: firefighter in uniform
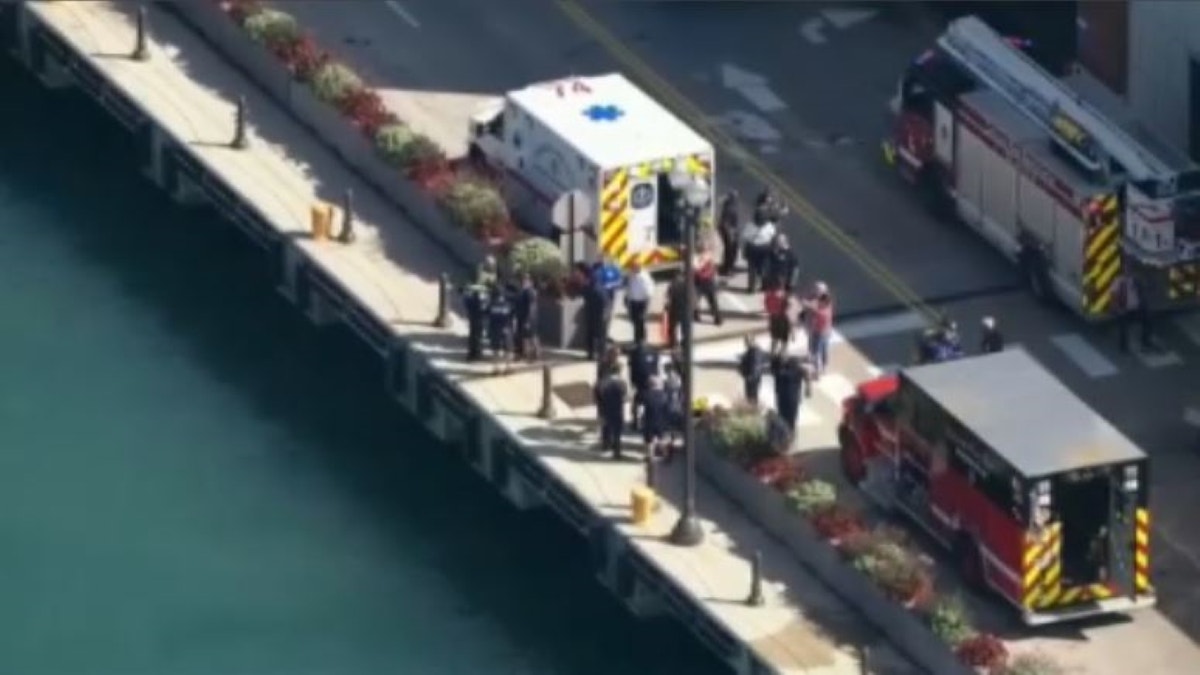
(475, 303)
(790, 377)
(610, 405)
(643, 365)
(752, 365)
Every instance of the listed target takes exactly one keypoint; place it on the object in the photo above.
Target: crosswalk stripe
(1158, 359)
(1189, 325)
(1088, 358)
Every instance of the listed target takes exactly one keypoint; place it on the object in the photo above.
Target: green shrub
(333, 82)
(272, 27)
(883, 557)
(422, 153)
(538, 257)
(392, 141)
(740, 435)
(475, 205)
(950, 621)
(811, 496)
(1032, 664)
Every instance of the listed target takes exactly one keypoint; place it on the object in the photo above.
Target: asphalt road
(818, 134)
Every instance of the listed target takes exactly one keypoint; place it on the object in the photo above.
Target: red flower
(366, 111)
(982, 651)
(837, 522)
(782, 473)
(435, 178)
(302, 56)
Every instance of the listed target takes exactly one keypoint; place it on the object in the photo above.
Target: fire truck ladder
(1026, 85)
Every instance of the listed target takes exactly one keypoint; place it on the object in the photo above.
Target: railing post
(141, 52)
(442, 320)
(547, 410)
(651, 470)
(346, 234)
(755, 599)
(239, 130)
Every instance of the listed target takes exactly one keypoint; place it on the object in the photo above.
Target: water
(192, 481)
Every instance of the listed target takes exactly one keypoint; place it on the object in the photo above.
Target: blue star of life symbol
(603, 113)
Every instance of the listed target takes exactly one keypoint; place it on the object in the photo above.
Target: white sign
(643, 215)
(1149, 222)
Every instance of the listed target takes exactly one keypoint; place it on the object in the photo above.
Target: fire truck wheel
(970, 564)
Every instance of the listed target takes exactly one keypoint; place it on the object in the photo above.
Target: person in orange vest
(705, 269)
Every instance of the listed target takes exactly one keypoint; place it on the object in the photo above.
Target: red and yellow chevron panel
(614, 215)
(1101, 254)
(1041, 568)
(1141, 552)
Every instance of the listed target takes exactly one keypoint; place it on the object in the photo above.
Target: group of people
(503, 313)
(656, 406)
(943, 342)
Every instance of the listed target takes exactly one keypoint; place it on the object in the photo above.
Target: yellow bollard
(321, 221)
(645, 501)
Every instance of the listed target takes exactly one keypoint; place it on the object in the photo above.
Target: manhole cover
(575, 394)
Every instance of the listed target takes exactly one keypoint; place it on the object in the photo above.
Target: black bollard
(442, 320)
(755, 599)
(864, 660)
(141, 52)
(239, 130)
(547, 411)
(651, 470)
(346, 235)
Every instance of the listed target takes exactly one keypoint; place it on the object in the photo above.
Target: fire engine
(1053, 172)
(1038, 497)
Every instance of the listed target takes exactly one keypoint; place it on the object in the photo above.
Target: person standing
(1129, 304)
(676, 409)
(475, 304)
(639, 289)
(756, 238)
(500, 322)
(656, 418)
(790, 377)
(607, 275)
(525, 315)
(705, 270)
(676, 309)
(597, 311)
(643, 365)
(610, 406)
(752, 365)
(781, 265)
(777, 304)
(992, 340)
(818, 312)
(728, 224)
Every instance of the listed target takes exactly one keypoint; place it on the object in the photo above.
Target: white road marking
(750, 127)
(1191, 416)
(1087, 357)
(813, 30)
(1190, 325)
(402, 12)
(845, 18)
(879, 326)
(1158, 359)
(752, 87)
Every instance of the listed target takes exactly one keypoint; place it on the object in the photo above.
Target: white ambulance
(603, 136)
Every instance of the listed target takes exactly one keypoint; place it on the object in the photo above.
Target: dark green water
(192, 481)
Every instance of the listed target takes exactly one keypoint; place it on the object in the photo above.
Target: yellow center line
(695, 116)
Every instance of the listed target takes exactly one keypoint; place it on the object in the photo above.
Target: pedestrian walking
(525, 318)
(656, 418)
(818, 319)
(992, 340)
(777, 304)
(474, 298)
(500, 323)
(611, 393)
(597, 313)
(1129, 305)
(639, 289)
(780, 265)
(790, 376)
(677, 308)
(643, 365)
(728, 225)
(756, 240)
(705, 270)
(752, 365)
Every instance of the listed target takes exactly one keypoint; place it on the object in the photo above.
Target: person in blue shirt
(607, 275)
(500, 325)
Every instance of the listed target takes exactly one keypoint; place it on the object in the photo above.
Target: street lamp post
(693, 195)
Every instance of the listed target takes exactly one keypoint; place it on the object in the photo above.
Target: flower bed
(736, 451)
(454, 202)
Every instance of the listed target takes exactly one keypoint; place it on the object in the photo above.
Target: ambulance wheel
(851, 469)
(970, 563)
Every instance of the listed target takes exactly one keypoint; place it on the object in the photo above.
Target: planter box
(207, 18)
(560, 323)
(769, 509)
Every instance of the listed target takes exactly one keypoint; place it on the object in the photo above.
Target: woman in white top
(639, 289)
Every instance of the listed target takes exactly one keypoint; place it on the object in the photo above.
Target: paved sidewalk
(393, 269)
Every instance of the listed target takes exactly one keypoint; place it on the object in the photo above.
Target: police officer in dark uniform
(597, 310)
(610, 404)
(525, 317)
(677, 292)
(500, 324)
(643, 365)
(790, 378)
(728, 227)
(992, 340)
(752, 365)
(781, 265)
(475, 303)
(656, 417)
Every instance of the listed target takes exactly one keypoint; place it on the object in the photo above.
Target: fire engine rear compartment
(1084, 503)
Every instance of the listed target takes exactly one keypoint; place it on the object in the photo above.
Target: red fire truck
(1037, 497)
(1054, 173)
